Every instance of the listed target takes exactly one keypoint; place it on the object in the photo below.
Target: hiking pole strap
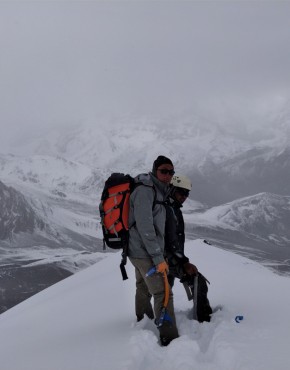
(123, 271)
(122, 265)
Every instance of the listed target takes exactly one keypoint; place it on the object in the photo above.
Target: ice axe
(163, 315)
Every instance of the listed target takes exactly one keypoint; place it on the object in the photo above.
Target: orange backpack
(114, 210)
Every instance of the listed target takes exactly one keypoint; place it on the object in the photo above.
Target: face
(164, 173)
(181, 195)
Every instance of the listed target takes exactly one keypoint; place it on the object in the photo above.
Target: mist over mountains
(50, 187)
(225, 162)
(258, 169)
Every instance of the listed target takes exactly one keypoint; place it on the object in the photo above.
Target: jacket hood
(164, 188)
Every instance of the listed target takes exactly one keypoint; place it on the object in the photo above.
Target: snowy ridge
(255, 215)
(243, 213)
(83, 320)
(255, 226)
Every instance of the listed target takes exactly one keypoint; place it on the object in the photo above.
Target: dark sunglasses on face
(164, 171)
(183, 192)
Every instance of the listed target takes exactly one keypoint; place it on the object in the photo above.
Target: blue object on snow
(238, 319)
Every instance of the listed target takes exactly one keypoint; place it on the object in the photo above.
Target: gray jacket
(146, 234)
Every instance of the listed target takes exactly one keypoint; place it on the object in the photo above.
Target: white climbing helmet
(180, 181)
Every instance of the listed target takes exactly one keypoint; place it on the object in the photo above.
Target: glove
(190, 269)
(162, 267)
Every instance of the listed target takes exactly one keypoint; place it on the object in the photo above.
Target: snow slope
(87, 321)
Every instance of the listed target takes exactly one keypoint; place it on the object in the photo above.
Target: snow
(43, 172)
(87, 321)
(240, 213)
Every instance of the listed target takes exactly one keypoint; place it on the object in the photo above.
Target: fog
(65, 62)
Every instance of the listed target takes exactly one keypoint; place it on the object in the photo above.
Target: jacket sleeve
(172, 248)
(143, 198)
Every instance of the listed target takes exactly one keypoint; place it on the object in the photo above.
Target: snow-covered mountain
(49, 173)
(59, 175)
(16, 215)
(49, 227)
(255, 170)
(88, 322)
(255, 226)
(223, 163)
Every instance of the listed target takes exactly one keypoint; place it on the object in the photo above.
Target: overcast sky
(72, 61)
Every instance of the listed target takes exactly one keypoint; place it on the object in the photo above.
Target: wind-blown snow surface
(87, 321)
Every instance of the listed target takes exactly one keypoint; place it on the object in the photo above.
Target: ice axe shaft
(163, 316)
(195, 288)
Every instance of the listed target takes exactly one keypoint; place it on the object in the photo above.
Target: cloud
(64, 62)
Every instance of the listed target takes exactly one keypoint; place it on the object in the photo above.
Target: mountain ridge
(254, 226)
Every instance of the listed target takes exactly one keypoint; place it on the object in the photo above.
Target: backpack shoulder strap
(155, 201)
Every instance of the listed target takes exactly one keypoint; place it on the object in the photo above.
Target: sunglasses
(183, 192)
(164, 171)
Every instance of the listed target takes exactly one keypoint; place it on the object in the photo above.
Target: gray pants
(153, 285)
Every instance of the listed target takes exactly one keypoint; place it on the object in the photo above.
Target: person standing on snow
(179, 265)
(147, 217)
